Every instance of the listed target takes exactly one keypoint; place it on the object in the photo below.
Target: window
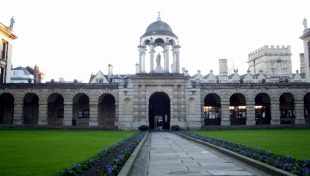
(83, 113)
(284, 67)
(99, 80)
(4, 50)
(272, 67)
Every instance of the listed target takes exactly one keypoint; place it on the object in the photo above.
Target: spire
(158, 18)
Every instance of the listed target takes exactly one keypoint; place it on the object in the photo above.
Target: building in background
(27, 75)
(274, 62)
(306, 55)
(6, 43)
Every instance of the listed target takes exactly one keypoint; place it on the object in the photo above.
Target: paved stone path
(167, 154)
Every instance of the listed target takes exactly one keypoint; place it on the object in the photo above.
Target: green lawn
(44, 152)
(295, 142)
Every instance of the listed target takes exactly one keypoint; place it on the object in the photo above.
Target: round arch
(212, 109)
(55, 112)
(31, 109)
(237, 109)
(159, 111)
(262, 109)
(80, 110)
(6, 108)
(307, 108)
(287, 108)
(106, 110)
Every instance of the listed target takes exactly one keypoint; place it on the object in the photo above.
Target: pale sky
(75, 38)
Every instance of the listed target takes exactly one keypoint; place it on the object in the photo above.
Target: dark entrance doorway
(262, 109)
(159, 109)
(31, 109)
(6, 108)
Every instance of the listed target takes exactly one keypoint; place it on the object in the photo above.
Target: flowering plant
(287, 163)
(115, 165)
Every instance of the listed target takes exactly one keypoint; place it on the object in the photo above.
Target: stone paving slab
(167, 154)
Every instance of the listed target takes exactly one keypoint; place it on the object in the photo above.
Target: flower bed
(108, 162)
(287, 163)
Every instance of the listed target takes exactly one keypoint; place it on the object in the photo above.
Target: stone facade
(161, 99)
(126, 106)
(6, 44)
(275, 62)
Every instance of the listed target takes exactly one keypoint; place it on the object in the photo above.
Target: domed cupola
(159, 34)
(159, 28)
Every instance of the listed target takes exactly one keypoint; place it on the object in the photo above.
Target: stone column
(93, 114)
(42, 120)
(176, 59)
(178, 62)
(152, 58)
(166, 53)
(143, 61)
(18, 112)
(225, 114)
(174, 65)
(67, 114)
(141, 58)
(250, 113)
(275, 112)
(299, 112)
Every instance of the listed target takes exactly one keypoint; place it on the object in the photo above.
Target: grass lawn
(295, 142)
(44, 152)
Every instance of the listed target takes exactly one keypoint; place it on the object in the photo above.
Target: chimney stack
(36, 74)
(110, 71)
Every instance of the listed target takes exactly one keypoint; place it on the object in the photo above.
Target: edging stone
(257, 164)
(127, 168)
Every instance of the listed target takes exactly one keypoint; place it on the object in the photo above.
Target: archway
(106, 111)
(55, 109)
(287, 108)
(159, 111)
(237, 109)
(31, 109)
(6, 108)
(212, 109)
(262, 109)
(80, 110)
(307, 108)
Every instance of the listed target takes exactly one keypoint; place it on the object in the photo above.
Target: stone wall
(129, 103)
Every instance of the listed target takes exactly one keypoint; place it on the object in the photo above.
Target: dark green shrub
(175, 128)
(143, 128)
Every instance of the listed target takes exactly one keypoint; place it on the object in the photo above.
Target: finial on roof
(12, 23)
(158, 18)
(305, 24)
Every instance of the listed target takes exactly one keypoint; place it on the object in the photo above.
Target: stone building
(6, 37)
(306, 55)
(275, 62)
(27, 75)
(163, 97)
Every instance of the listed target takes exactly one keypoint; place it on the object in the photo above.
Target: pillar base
(67, 123)
(225, 123)
(43, 123)
(299, 121)
(93, 123)
(275, 122)
(250, 122)
(18, 122)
